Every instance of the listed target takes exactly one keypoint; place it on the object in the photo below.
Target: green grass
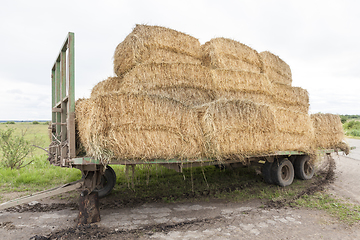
(34, 132)
(345, 212)
(198, 184)
(39, 175)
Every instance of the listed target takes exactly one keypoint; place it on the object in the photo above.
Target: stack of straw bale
(138, 126)
(329, 133)
(276, 69)
(232, 55)
(174, 99)
(148, 44)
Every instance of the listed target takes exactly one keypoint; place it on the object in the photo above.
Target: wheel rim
(307, 168)
(285, 173)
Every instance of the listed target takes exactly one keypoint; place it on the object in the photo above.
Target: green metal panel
(89, 160)
(53, 115)
(71, 95)
(71, 64)
(58, 96)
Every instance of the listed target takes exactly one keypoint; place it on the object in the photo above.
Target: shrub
(343, 119)
(353, 132)
(14, 148)
(35, 122)
(10, 122)
(353, 124)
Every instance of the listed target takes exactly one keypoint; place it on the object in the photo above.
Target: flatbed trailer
(278, 167)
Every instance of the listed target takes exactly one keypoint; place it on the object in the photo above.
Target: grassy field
(39, 175)
(159, 184)
(351, 125)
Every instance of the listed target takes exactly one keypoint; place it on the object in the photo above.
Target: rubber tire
(266, 172)
(108, 180)
(282, 172)
(303, 169)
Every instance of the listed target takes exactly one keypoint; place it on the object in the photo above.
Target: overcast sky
(320, 40)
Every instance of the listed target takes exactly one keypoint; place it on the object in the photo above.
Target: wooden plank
(56, 110)
(44, 194)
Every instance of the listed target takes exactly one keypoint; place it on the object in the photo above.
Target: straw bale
(292, 98)
(329, 132)
(233, 80)
(190, 84)
(294, 130)
(142, 127)
(83, 111)
(276, 69)
(234, 128)
(274, 62)
(162, 75)
(155, 44)
(229, 54)
(108, 85)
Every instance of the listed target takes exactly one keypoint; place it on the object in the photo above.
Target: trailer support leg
(89, 211)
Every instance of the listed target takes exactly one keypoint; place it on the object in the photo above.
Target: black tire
(303, 168)
(266, 172)
(108, 180)
(220, 166)
(282, 172)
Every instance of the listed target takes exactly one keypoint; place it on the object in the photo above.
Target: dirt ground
(49, 219)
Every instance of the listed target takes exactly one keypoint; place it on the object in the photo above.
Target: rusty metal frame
(63, 145)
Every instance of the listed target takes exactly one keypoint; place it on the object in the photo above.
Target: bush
(353, 132)
(343, 119)
(14, 149)
(353, 124)
(35, 122)
(10, 122)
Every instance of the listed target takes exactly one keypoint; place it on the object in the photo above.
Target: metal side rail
(43, 194)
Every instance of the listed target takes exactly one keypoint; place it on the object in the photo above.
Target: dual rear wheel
(282, 171)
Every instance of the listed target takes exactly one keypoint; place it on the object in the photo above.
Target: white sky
(319, 39)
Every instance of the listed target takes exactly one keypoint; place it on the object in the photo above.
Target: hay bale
(139, 127)
(190, 84)
(329, 133)
(110, 84)
(163, 75)
(242, 85)
(83, 112)
(234, 80)
(235, 128)
(155, 44)
(294, 130)
(292, 98)
(229, 54)
(276, 69)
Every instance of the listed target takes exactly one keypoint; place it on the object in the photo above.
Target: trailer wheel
(303, 168)
(108, 180)
(266, 172)
(282, 172)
